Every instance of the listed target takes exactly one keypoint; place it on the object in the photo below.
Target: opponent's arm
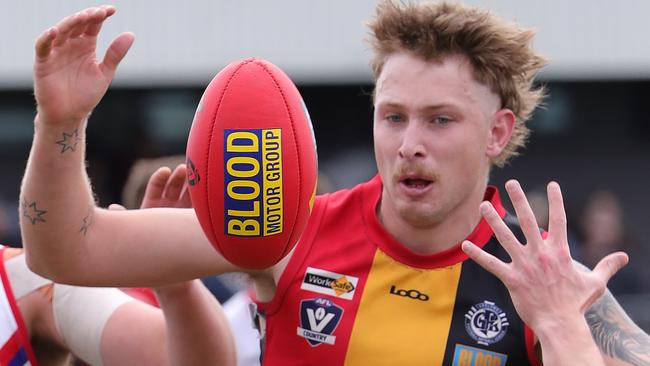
(198, 332)
(549, 293)
(67, 238)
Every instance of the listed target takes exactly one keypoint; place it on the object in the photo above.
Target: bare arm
(198, 332)
(620, 340)
(67, 237)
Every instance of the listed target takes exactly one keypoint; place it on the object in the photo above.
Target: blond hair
(498, 51)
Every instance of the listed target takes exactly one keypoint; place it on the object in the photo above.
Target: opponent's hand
(167, 189)
(544, 284)
(69, 81)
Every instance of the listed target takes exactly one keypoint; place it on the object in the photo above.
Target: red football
(251, 162)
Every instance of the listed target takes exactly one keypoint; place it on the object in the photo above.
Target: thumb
(116, 207)
(609, 265)
(116, 52)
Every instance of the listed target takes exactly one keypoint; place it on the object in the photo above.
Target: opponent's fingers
(609, 265)
(557, 230)
(97, 20)
(156, 185)
(44, 44)
(185, 201)
(525, 214)
(116, 207)
(501, 230)
(116, 52)
(175, 183)
(486, 260)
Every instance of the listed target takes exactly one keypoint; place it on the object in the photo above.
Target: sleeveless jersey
(15, 347)
(351, 294)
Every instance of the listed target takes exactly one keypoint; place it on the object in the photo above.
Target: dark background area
(590, 136)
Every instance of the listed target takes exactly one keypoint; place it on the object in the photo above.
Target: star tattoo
(69, 141)
(86, 222)
(31, 212)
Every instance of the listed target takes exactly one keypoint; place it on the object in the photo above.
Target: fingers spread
(489, 262)
(116, 52)
(609, 265)
(557, 216)
(525, 214)
(501, 230)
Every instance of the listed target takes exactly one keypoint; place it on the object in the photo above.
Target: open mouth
(416, 183)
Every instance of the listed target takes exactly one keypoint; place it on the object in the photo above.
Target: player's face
(431, 132)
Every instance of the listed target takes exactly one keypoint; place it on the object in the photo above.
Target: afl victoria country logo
(486, 323)
(319, 317)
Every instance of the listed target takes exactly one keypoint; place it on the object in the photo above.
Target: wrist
(565, 333)
(44, 123)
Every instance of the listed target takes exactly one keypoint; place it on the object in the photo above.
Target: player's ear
(501, 127)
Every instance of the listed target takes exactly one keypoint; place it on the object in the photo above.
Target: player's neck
(441, 235)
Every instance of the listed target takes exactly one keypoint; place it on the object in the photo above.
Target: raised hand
(542, 279)
(547, 289)
(69, 80)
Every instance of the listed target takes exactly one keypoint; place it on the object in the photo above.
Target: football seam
(295, 143)
(209, 150)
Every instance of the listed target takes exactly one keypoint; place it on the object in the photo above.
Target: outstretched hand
(544, 284)
(69, 80)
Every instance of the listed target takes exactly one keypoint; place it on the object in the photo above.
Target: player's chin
(417, 213)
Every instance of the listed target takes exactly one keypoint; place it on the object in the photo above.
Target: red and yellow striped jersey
(352, 295)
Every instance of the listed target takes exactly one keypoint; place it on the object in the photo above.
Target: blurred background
(593, 136)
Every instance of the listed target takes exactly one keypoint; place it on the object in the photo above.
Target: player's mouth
(414, 185)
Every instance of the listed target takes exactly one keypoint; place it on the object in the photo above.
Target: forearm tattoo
(87, 221)
(615, 333)
(69, 141)
(32, 213)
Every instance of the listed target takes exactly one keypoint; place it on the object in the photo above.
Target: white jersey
(16, 349)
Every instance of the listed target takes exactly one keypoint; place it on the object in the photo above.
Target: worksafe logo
(318, 320)
(486, 323)
(329, 283)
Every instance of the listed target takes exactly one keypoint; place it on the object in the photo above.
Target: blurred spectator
(603, 232)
